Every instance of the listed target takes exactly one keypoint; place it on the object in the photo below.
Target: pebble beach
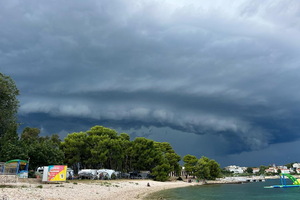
(85, 189)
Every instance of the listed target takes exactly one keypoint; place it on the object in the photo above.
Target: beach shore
(86, 189)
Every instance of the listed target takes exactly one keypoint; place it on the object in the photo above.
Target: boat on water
(296, 182)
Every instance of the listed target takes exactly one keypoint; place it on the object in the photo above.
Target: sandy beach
(86, 189)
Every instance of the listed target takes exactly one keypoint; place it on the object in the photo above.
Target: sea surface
(246, 191)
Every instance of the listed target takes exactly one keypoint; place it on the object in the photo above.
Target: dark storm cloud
(229, 70)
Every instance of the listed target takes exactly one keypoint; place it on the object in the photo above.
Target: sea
(245, 191)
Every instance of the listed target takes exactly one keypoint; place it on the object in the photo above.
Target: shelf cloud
(202, 69)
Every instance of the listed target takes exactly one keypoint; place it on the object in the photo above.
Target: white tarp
(88, 173)
(102, 173)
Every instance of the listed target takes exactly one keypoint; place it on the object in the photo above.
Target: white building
(271, 170)
(296, 165)
(255, 170)
(285, 171)
(235, 169)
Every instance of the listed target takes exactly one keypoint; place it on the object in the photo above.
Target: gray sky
(214, 78)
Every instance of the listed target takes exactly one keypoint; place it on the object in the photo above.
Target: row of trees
(30, 146)
(99, 147)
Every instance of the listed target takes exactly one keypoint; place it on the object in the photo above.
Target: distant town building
(235, 169)
(285, 171)
(296, 165)
(282, 167)
(271, 170)
(255, 170)
(279, 169)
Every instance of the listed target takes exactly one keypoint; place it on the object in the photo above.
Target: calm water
(247, 191)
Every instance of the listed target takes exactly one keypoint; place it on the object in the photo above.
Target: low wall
(8, 179)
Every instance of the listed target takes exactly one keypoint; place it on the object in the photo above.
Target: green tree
(207, 169)
(167, 162)
(74, 148)
(101, 130)
(202, 168)
(161, 172)
(30, 134)
(9, 105)
(215, 169)
(43, 153)
(290, 165)
(190, 162)
(262, 169)
(99, 147)
(170, 157)
(55, 139)
(12, 148)
(127, 149)
(144, 154)
(106, 147)
(249, 170)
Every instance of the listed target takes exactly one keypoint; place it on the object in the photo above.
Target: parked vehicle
(140, 175)
(125, 175)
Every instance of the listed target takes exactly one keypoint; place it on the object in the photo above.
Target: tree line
(98, 147)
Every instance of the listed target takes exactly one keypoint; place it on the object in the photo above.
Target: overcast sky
(214, 78)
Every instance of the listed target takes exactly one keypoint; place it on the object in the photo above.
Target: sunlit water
(247, 191)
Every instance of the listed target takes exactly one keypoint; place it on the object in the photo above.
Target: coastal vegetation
(101, 147)
(203, 168)
(98, 147)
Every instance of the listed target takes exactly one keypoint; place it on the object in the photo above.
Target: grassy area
(7, 186)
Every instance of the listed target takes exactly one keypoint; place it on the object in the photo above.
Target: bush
(161, 172)
(31, 174)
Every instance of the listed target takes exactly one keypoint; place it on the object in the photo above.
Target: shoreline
(86, 189)
(128, 189)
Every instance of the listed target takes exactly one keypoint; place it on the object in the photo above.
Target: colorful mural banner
(57, 173)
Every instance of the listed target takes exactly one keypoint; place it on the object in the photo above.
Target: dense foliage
(8, 104)
(203, 168)
(8, 111)
(190, 162)
(101, 147)
(249, 170)
(40, 151)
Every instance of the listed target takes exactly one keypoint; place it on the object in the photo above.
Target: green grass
(7, 186)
